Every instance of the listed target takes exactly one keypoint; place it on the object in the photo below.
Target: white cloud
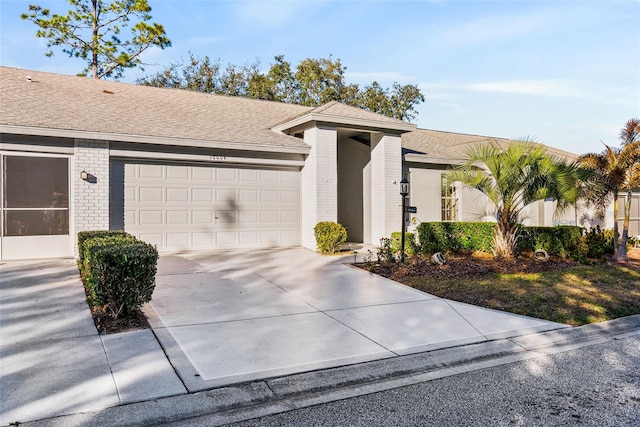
(562, 88)
(548, 87)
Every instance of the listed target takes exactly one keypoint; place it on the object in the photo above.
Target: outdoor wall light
(84, 175)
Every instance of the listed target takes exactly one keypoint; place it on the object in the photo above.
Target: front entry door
(35, 207)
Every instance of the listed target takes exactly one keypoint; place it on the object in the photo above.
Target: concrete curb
(259, 398)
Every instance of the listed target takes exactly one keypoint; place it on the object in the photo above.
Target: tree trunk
(616, 234)
(94, 40)
(504, 238)
(625, 228)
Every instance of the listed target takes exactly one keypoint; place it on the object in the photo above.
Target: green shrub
(85, 235)
(410, 244)
(455, 236)
(385, 252)
(119, 272)
(565, 241)
(329, 237)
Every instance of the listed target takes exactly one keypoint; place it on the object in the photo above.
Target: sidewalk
(52, 360)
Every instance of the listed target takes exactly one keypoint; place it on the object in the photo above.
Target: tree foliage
(91, 30)
(512, 179)
(312, 82)
(614, 171)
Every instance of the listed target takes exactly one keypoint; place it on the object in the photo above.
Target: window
(449, 201)
(36, 196)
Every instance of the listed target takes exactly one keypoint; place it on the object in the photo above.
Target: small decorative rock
(438, 258)
(540, 255)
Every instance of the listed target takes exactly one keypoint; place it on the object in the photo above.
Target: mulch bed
(465, 266)
(106, 324)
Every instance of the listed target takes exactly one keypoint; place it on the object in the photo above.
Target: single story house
(192, 171)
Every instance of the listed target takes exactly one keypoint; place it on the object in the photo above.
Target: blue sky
(566, 73)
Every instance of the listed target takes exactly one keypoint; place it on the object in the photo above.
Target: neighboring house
(192, 171)
(429, 154)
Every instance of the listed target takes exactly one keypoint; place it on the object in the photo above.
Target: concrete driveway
(52, 360)
(231, 317)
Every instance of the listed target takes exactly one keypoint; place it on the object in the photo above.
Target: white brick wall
(91, 197)
(319, 182)
(386, 173)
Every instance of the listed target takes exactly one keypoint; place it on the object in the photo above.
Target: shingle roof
(69, 103)
(82, 104)
(341, 114)
(453, 146)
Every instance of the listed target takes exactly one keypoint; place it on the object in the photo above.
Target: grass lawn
(558, 291)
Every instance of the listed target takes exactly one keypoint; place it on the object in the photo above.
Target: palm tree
(512, 179)
(615, 170)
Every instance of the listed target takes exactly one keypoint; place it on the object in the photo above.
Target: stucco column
(319, 182)
(386, 173)
(91, 196)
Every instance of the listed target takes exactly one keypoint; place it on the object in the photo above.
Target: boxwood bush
(119, 272)
(570, 242)
(565, 241)
(329, 236)
(83, 236)
(410, 244)
(451, 237)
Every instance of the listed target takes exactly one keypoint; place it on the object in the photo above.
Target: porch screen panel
(36, 196)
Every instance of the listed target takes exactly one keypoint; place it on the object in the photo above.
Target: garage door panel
(177, 173)
(202, 174)
(150, 217)
(202, 240)
(150, 171)
(178, 217)
(225, 195)
(223, 174)
(289, 196)
(181, 207)
(248, 217)
(201, 195)
(248, 176)
(177, 195)
(226, 239)
(247, 196)
(202, 217)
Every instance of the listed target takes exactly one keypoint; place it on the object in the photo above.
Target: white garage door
(182, 207)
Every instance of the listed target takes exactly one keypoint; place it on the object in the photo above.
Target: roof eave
(148, 139)
(425, 158)
(400, 127)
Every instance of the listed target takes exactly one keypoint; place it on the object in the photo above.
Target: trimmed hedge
(565, 241)
(329, 236)
(86, 235)
(451, 237)
(410, 244)
(119, 271)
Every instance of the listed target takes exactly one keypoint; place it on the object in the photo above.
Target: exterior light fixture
(404, 192)
(84, 175)
(404, 187)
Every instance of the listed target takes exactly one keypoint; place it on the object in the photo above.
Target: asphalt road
(598, 385)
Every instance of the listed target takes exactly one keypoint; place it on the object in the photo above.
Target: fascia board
(348, 121)
(424, 158)
(144, 139)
